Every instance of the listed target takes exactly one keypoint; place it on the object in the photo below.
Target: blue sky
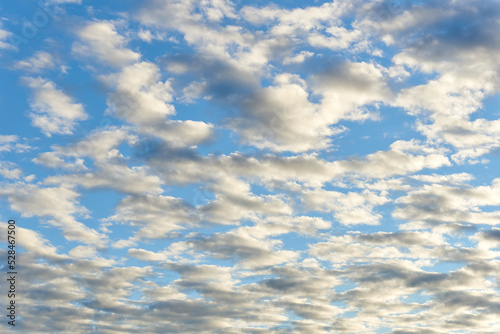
(217, 166)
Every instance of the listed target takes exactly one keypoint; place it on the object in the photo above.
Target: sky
(217, 166)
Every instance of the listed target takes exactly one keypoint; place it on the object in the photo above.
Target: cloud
(437, 204)
(101, 39)
(297, 20)
(488, 239)
(58, 205)
(252, 252)
(9, 170)
(465, 73)
(282, 118)
(458, 178)
(156, 215)
(12, 143)
(142, 100)
(111, 166)
(4, 34)
(299, 58)
(396, 161)
(350, 208)
(53, 111)
(41, 60)
(234, 202)
(256, 168)
(36, 245)
(187, 167)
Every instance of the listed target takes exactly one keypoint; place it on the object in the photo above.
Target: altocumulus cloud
(217, 166)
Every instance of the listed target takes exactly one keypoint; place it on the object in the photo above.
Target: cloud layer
(215, 166)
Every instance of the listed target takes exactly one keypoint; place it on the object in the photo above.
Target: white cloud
(347, 87)
(141, 99)
(12, 143)
(6, 142)
(446, 179)
(9, 170)
(234, 202)
(305, 19)
(442, 204)
(282, 118)
(338, 38)
(157, 216)
(58, 205)
(101, 39)
(252, 252)
(465, 72)
(350, 208)
(299, 58)
(53, 111)
(4, 34)
(41, 60)
(255, 188)
(111, 166)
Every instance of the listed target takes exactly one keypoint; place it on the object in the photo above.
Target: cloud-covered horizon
(217, 166)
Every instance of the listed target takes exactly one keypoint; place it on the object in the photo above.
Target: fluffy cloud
(141, 99)
(58, 205)
(435, 204)
(53, 111)
(101, 39)
(282, 118)
(159, 215)
(253, 253)
(351, 208)
(255, 168)
(110, 165)
(347, 87)
(9, 170)
(462, 81)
